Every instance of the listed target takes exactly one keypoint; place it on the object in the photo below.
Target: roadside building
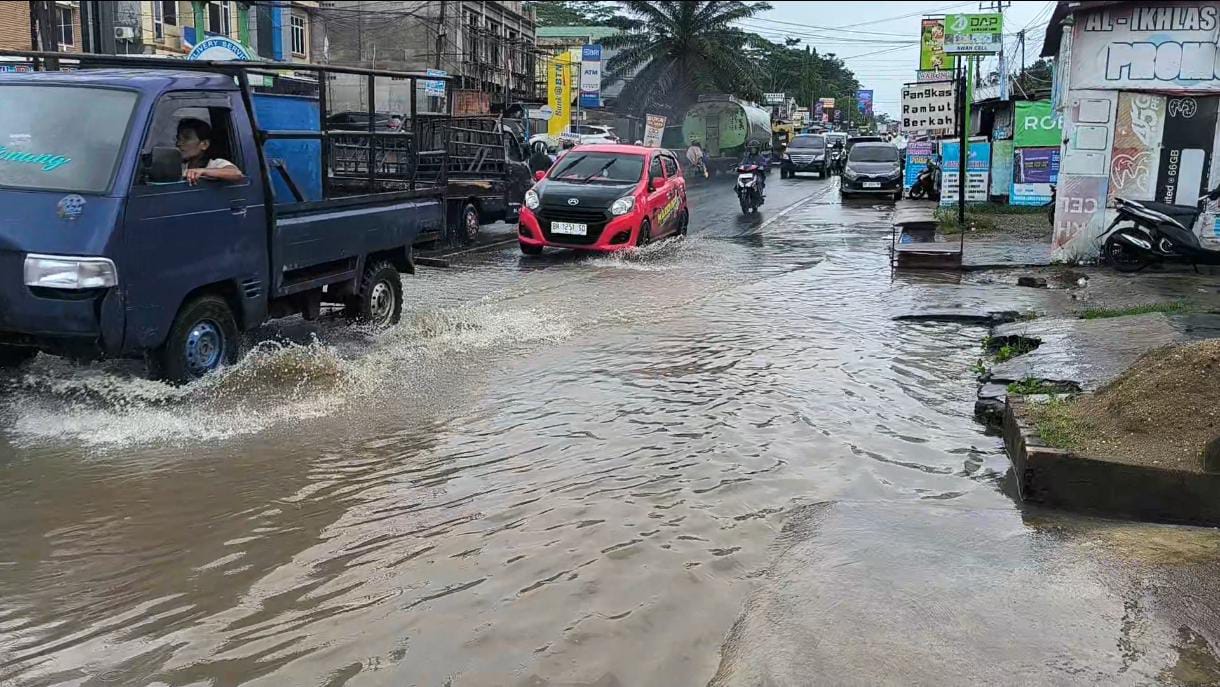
(21, 22)
(1136, 87)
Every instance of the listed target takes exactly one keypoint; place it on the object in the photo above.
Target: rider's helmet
(753, 147)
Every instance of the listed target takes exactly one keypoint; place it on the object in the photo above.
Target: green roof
(575, 31)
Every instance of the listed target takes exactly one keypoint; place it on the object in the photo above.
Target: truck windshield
(808, 142)
(61, 138)
(585, 167)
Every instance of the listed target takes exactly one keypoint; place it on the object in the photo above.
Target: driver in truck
(194, 141)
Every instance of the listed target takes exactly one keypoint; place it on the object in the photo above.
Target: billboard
(654, 129)
(559, 93)
(974, 34)
(932, 46)
(774, 98)
(591, 76)
(1151, 46)
(928, 107)
(864, 101)
(1036, 125)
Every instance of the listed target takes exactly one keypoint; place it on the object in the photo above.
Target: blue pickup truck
(106, 251)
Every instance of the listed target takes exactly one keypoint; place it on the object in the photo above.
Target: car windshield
(602, 167)
(871, 153)
(808, 142)
(61, 138)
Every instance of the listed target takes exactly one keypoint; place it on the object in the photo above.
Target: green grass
(1142, 309)
(1056, 425)
(947, 219)
(979, 368)
(1010, 351)
(1031, 386)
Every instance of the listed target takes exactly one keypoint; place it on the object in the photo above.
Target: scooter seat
(1185, 214)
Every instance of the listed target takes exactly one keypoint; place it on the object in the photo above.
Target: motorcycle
(927, 183)
(1158, 232)
(834, 163)
(749, 188)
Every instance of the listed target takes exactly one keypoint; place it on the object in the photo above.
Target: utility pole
(440, 37)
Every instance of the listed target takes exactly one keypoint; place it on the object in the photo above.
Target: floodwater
(717, 461)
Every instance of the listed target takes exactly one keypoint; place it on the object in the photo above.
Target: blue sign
(978, 156)
(436, 88)
(219, 48)
(591, 76)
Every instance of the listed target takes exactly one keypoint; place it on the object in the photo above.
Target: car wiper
(599, 172)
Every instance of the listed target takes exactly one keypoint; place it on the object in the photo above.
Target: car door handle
(238, 207)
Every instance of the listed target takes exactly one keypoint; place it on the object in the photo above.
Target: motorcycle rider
(753, 156)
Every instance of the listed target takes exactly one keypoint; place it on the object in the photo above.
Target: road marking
(812, 196)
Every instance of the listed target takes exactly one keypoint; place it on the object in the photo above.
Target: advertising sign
(559, 94)
(1078, 201)
(1037, 125)
(978, 167)
(864, 101)
(1034, 170)
(932, 47)
(654, 129)
(828, 103)
(1186, 149)
(918, 153)
(1154, 46)
(1135, 158)
(926, 75)
(1001, 168)
(774, 98)
(219, 48)
(838, 116)
(436, 88)
(928, 107)
(974, 34)
(817, 111)
(591, 76)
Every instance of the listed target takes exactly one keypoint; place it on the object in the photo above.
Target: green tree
(686, 48)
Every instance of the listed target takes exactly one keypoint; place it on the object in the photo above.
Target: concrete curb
(1061, 479)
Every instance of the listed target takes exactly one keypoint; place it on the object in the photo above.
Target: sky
(859, 32)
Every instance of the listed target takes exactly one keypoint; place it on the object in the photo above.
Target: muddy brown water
(719, 461)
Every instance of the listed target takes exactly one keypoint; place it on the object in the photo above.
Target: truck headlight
(623, 205)
(531, 199)
(67, 272)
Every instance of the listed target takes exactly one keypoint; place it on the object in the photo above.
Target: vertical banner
(591, 76)
(1001, 168)
(1077, 201)
(1139, 121)
(918, 154)
(817, 111)
(1035, 170)
(978, 168)
(932, 55)
(559, 94)
(1186, 149)
(864, 101)
(654, 129)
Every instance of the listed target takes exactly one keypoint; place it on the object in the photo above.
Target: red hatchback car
(605, 198)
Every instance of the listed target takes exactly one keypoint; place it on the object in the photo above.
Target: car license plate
(569, 228)
(872, 184)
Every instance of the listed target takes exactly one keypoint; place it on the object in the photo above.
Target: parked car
(872, 168)
(581, 134)
(359, 121)
(806, 153)
(605, 198)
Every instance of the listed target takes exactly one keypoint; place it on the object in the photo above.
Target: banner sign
(978, 167)
(1153, 46)
(817, 111)
(918, 154)
(590, 76)
(838, 116)
(932, 47)
(1139, 121)
(974, 34)
(828, 103)
(864, 101)
(774, 98)
(1037, 125)
(928, 107)
(435, 88)
(926, 75)
(559, 94)
(1186, 149)
(219, 48)
(654, 129)
(1034, 170)
(1001, 167)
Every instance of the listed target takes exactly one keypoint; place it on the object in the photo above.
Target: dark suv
(805, 153)
(872, 168)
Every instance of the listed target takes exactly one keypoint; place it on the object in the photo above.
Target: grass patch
(1142, 309)
(1014, 349)
(946, 219)
(1056, 424)
(979, 368)
(1032, 386)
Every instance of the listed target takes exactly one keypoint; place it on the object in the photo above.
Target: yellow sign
(559, 93)
(932, 46)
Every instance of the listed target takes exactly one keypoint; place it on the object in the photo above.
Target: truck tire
(379, 301)
(15, 356)
(203, 338)
(469, 224)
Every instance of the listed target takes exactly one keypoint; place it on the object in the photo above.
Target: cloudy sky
(879, 41)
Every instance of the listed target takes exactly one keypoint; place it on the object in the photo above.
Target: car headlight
(66, 272)
(623, 205)
(849, 173)
(817, 156)
(531, 199)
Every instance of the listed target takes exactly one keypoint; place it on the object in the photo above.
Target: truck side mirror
(165, 165)
(539, 175)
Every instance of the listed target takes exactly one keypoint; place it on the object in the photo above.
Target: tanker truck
(723, 125)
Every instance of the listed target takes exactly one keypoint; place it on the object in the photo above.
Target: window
(219, 18)
(212, 111)
(158, 20)
(66, 35)
(655, 170)
(671, 166)
(298, 34)
(169, 11)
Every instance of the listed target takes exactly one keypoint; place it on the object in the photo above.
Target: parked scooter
(749, 188)
(1157, 232)
(927, 183)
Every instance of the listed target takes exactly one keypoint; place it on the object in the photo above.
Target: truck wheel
(468, 231)
(14, 356)
(202, 338)
(379, 302)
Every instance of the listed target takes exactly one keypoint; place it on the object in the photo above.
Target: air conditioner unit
(124, 33)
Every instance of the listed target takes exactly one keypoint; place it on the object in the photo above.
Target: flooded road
(717, 461)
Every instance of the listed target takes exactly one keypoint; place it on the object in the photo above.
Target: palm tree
(684, 47)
